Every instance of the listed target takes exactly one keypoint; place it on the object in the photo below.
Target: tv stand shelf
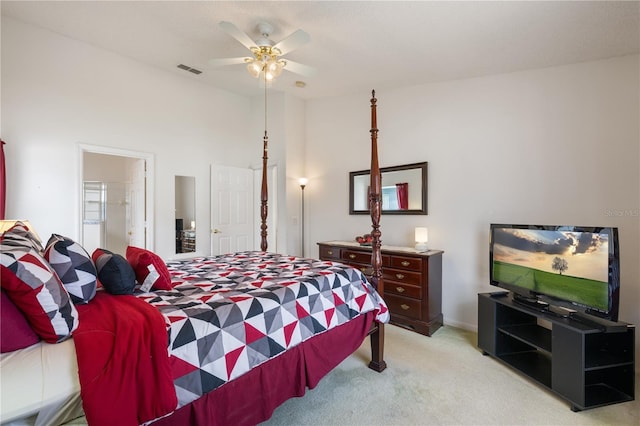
(530, 334)
(586, 364)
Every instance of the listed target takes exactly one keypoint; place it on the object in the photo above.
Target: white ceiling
(355, 45)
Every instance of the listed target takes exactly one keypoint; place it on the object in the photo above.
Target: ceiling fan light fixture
(265, 63)
(254, 68)
(275, 67)
(269, 76)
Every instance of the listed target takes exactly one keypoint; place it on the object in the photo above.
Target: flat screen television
(574, 268)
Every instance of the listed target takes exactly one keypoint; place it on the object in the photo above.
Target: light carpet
(438, 380)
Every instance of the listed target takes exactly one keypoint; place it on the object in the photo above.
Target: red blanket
(121, 345)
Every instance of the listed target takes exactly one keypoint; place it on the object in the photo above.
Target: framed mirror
(404, 190)
(185, 214)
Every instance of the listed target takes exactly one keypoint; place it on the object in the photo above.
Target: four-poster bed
(237, 324)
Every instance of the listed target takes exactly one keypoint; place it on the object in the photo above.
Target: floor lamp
(303, 183)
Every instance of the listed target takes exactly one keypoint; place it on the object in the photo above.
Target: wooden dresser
(412, 281)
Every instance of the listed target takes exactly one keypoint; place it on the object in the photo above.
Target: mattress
(39, 385)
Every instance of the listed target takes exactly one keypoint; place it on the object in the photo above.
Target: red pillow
(144, 263)
(15, 331)
(35, 289)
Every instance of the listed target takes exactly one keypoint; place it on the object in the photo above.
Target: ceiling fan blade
(220, 62)
(234, 32)
(298, 68)
(295, 40)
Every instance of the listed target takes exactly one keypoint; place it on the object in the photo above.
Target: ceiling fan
(266, 61)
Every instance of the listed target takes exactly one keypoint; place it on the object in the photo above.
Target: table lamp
(422, 237)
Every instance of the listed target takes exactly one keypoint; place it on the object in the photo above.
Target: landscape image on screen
(564, 264)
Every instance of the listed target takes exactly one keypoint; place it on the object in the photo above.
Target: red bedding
(240, 324)
(253, 397)
(228, 314)
(126, 335)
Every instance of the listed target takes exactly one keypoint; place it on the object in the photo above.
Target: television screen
(574, 267)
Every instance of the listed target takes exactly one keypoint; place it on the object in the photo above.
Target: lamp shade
(6, 224)
(421, 237)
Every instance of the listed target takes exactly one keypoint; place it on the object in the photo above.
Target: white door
(232, 223)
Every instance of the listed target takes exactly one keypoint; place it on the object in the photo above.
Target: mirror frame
(421, 166)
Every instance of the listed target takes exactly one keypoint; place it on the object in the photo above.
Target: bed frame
(377, 362)
(228, 406)
(375, 206)
(282, 374)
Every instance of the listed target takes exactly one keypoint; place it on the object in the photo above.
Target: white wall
(550, 146)
(295, 137)
(58, 93)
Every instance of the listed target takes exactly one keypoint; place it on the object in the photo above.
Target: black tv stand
(588, 365)
(531, 302)
(560, 312)
(599, 323)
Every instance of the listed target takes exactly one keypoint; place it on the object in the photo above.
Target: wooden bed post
(264, 194)
(375, 200)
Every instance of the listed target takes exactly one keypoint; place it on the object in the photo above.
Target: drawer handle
(330, 252)
(399, 276)
(363, 269)
(404, 307)
(405, 263)
(400, 289)
(352, 256)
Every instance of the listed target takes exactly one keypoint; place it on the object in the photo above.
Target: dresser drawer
(402, 276)
(403, 306)
(409, 263)
(329, 253)
(351, 256)
(391, 287)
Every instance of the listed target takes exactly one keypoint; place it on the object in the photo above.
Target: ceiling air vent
(188, 68)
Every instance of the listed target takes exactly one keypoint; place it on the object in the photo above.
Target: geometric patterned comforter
(227, 314)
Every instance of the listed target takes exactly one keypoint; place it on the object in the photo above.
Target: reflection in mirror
(185, 214)
(404, 190)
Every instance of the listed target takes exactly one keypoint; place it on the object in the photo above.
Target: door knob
(216, 231)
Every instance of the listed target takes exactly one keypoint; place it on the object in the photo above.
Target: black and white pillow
(19, 235)
(74, 267)
(34, 287)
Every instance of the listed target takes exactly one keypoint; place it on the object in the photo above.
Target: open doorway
(116, 191)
